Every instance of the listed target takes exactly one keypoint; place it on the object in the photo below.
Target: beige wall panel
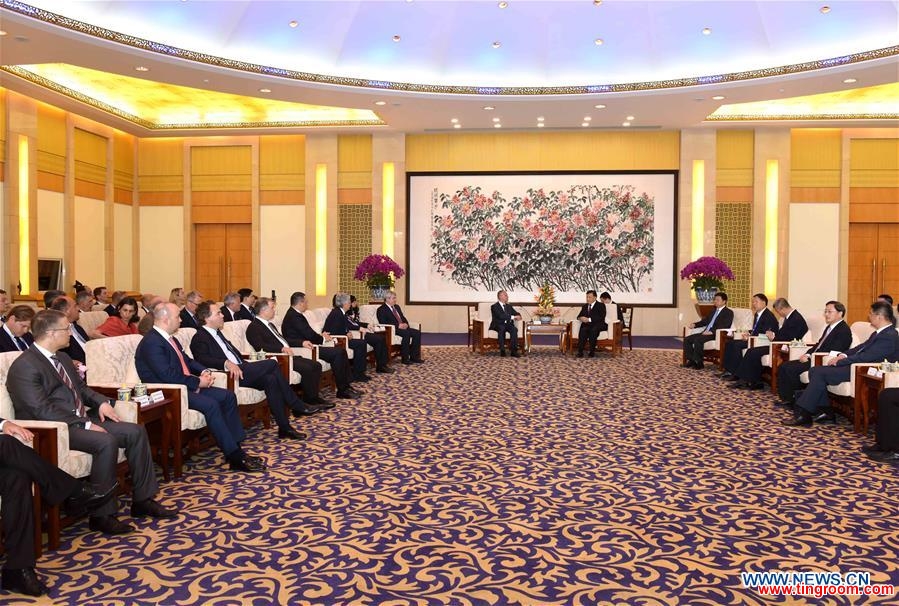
(50, 181)
(282, 238)
(282, 182)
(354, 180)
(161, 183)
(354, 153)
(813, 268)
(225, 161)
(159, 157)
(49, 224)
(282, 155)
(90, 236)
(175, 198)
(211, 183)
(2, 123)
(124, 240)
(274, 198)
(162, 249)
(816, 149)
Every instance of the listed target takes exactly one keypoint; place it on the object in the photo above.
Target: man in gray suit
(43, 384)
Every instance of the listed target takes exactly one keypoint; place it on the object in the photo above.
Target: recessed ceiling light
(850, 81)
(496, 119)
(265, 90)
(540, 125)
(599, 106)
(455, 120)
(497, 44)
(489, 108)
(718, 97)
(585, 124)
(141, 68)
(293, 23)
(380, 102)
(824, 9)
(503, 4)
(706, 31)
(497, 126)
(206, 80)
(2, 32)
(625, 124)
(587, 118)
(396, 38)
(597, 2)
(457, 126)
(539, 118)
(598, 42)
(629, 118)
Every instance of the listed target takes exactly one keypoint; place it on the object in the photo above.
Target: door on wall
(223, 258)
(873, 266)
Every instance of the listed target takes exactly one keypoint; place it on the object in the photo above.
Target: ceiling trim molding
(783, 117)
(593, 89)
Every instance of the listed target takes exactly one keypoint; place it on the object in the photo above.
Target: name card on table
(157, 396)
(143, 400)
(873, 371)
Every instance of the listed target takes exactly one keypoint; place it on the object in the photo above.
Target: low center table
(546, 329)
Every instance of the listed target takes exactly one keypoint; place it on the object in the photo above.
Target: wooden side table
(562, 330)
(867, 390)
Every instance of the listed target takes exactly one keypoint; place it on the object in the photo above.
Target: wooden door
(223, 258)
(863, 260)
(888, 259)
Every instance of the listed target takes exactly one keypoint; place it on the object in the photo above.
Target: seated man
(605, 298)
(78, 337)
(211, 349)
(694, 345)
(230, 306)
(20, 466)
(189, 311)
(882, 345)
(263, 335)
(886, 445)
(593, 322)
(15, 335)
(101, 296)
(377, 340)
(146, 323)
(836, 337)
(4, 305)
(298, 333)
(337, 324)
(43, 384)
(247, 304)
(390, 313)
(160, 359)
(762, 321)
(749, 372)
(502, 320)
(50, 295)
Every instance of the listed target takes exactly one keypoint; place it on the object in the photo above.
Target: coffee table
(563, 330)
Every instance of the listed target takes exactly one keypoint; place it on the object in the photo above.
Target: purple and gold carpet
(477, 480)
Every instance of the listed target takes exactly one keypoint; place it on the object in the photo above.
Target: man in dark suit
(4, 305)
(749, 372)
(43, 384)
(377, 340)
(337, 324)
(230, 306)
(836, 337)
(502, 319)
(20, 466)
(298, 333)
(15, 335)
(189, 311)
(78, 338)
(211, 349)
(762, 321)
(593, 322)
(262, 334)
(721, 317)
(390, 313)
(160, 359)
(886, 444)
(101, 296)
(882, 345)
(247, 304)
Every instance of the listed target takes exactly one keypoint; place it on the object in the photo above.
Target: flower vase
(379, 292)
(706, 295)
(546, 319)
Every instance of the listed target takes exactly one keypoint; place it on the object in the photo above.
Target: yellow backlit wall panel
(123, 174)
(815, 164)
(282, 174)
(51, 147)
(221, 180)
(874, 180)
(2, 134)
(354, 169)
(160, 170)
(90, 164)
(734, 159)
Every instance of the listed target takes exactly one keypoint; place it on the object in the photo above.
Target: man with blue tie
(763, 320)
(721, 317)
(15, 335)
(883, 344)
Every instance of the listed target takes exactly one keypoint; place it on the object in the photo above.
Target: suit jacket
(385, 316)
(261, 338)
(338, 323)
(157, 362)
(880, 346)
(725, 319)
(794, 327)
(597, 315)
(38, 392)
(296, 329)
(188, 321)
(74, 350)
(7, 344)
(111, 310)
(767, 322)
(228, 315)
(838, 339)
(244, 313)
(500, 317)
(208, 352)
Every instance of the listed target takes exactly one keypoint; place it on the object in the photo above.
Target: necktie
(229, 350)
(79, 405)
(277, 334)
(396, 314)
(823, 338)
(758, 316)
(711, 325)
(22, 345)
(76, 334)
(177, 349)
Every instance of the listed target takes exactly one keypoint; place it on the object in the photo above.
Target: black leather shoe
(803, 419)
(109, 525)
(784, 403)
(885, 457)
(356, 393)
(407, 362)
(826, 417)
(320, 402)
(515, 354)
(86, 499)
(256, 461)
(875, 449)
(363, 378)
(22, 580)
(502, 353)
(592, 354)
(386, 370)
(345, 394)
(738, 384)
(306, 411)
(698, 365)
(151, 508)
(725, 375)
(580, 354)
(418, 361)
(246, 466)
(290, 433)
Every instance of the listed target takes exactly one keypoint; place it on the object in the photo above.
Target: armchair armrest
(798, 352)
(820, 358)
(890, 380)
(53, 439)
(127, 410)
(855, 369)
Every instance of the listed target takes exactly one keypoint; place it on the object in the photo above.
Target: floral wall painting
(472, 234)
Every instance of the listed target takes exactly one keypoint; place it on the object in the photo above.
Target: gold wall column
(321, 150)
(771, 145)
(21, 165)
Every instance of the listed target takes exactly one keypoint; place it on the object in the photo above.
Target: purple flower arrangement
(707, 273)
(378, 271)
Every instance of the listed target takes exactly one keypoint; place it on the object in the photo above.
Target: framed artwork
(472, 234)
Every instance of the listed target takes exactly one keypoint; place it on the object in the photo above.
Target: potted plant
(379, 272)
(706, 274)
(546, 303)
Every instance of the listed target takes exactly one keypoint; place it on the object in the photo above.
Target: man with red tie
(390, 313)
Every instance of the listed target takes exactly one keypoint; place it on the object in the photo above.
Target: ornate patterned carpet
(480, 480)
